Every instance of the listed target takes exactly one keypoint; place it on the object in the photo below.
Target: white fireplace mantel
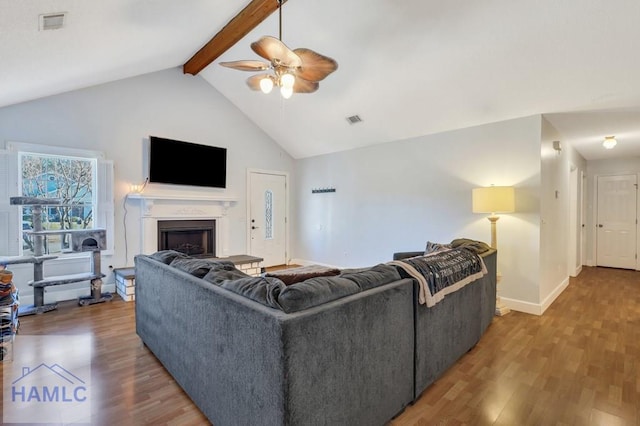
(155, 207)
(151, 200)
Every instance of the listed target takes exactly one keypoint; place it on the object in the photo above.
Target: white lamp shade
(494, 199)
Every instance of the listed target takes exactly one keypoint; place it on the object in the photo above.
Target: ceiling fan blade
(247, 65)
(315, 66)
(305, 86)
(276, 51)
(254, 81)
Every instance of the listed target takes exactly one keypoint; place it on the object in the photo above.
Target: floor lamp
(494, 199)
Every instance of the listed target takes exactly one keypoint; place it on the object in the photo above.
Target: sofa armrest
(406, 254)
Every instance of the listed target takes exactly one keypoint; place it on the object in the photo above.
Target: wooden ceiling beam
(245, 21)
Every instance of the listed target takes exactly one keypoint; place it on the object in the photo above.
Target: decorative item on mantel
(494, 199)
(137, 188)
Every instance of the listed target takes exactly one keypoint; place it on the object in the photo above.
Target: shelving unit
(82, 240)
(8, 320)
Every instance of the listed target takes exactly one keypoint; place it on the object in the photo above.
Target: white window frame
(102, 195)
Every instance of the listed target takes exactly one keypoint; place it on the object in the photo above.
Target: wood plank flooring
(578, 364)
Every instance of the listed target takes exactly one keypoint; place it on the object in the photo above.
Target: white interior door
(616, 221)
(268, 217)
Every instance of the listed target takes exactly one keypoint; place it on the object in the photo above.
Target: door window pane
(268, 214)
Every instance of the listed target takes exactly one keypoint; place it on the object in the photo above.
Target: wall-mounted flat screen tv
(185, 163)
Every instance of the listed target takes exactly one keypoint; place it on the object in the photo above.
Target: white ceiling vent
(354, 119)
(52, 21)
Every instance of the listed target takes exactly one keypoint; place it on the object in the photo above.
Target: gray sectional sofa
(448, 330)
(350, 349)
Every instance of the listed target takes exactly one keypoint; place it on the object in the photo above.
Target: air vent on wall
(354, 119)
(52, 21)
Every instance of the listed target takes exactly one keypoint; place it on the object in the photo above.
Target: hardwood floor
(281, 267)
(578, 364)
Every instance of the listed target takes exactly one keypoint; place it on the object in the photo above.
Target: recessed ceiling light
(52, 21)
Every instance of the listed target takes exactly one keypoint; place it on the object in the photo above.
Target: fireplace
(157, 207)
(196, 238)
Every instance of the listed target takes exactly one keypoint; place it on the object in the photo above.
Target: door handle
(600, 225)
(254, 227)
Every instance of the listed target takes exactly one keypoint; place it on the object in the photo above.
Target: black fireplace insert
(196, 238)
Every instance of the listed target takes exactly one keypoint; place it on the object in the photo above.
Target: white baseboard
(522, 306)
(554, 294)
(577, 271)
(536, 308)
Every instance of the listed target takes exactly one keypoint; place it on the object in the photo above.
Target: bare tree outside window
(69, 179)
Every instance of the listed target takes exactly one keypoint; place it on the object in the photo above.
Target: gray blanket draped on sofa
(443, 272)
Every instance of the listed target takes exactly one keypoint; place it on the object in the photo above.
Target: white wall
(595, 168)
(396, 196)
(390, 197)
(115, 118)
(554, 213)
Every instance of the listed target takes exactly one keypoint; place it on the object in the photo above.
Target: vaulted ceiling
(406, 67)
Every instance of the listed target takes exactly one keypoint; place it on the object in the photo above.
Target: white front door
(268, 217)
(616, 221)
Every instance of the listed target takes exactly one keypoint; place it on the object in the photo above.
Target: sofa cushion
(296, 275)
(220, 273)
(314, 292)
(200, 267)
(478, 247)
(167, 256)
(196, 267)
(372, 277)
(435, 247)
(260, 289)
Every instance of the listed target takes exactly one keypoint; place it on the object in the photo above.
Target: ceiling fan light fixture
(266, 85)
(286, 92)
(609, 142)
(287, 80)
(298, 70)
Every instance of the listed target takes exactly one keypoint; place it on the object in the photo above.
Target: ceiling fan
(293, 71)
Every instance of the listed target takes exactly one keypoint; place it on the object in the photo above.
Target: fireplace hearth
(193, 237)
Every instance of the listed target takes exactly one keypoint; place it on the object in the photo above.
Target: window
(268, 214)
(81, 179)
(71, 180)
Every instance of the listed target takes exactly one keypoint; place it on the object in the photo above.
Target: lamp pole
(494, 241)
(501, 309)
